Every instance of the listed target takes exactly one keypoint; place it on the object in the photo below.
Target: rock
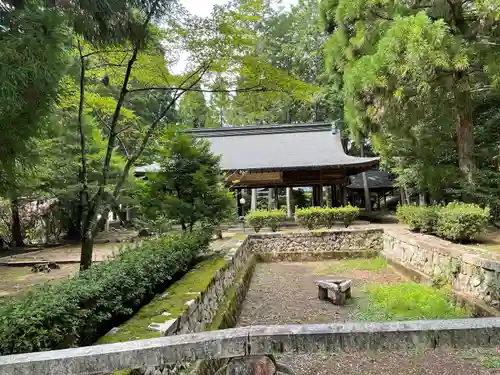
(113, 330)
(53, 265)
(144, 233)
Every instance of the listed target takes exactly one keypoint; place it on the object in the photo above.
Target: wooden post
(270, 195)
(320, 195)
(253, 205)
(289, 204)
(342, 194)
(239, 207)
(276, 198)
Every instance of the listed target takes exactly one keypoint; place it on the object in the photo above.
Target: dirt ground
(16, 280)
(284, 293)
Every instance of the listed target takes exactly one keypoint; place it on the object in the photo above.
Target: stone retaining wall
(317, 245)
(202, 310)
(472, 272)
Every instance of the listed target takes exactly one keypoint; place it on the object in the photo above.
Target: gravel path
(284, 293)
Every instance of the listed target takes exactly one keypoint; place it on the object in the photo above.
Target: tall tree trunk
(86, 254)
(17, 235)
(465, 129)
(368, 202)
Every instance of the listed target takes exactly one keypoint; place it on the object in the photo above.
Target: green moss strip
(227, 314)
(196, 280)
(230, 307)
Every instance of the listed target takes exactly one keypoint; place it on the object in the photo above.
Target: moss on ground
(196, 280)
(408, 301)
(229, 307)
(363, 264)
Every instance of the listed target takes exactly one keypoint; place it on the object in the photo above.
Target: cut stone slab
(339, 288)
(166, 328)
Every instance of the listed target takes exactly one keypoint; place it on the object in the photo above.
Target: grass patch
(408, 301)
(196, 280)
(343, 266)
(487, 358)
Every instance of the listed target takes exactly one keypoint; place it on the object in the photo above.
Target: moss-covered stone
(172, 301)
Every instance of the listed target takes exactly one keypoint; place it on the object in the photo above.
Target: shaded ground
(15, 280)
(284, 293)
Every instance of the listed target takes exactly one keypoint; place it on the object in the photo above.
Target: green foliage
(348, 265)
(264, 218)
(408, 301)
(311, 218)
(76, 311)
(315, 217)
(193, 110)
(196, 280)
(415, 79)
(456, 221)
(461, 221)
(418, 218)
(33, 59)
(188, 189)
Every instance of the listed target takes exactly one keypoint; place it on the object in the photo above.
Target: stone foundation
(474, 273)
(316, 245)
(218, 305)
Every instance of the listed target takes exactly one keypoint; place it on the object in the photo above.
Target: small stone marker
(340, 289)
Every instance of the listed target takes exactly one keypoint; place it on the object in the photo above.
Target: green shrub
(274, 218)
(315, 217)
(262, 218)
(76, 311)
(461, 221)
(312, 217)
(347, 214)
(257, 219)
(418, 218)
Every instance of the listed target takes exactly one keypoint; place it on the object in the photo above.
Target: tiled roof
(280, 147)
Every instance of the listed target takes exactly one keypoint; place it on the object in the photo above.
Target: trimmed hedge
(456, 221)
(76, 311)
(262, 218)
(418, 218)
(461, 221)
(315, 217)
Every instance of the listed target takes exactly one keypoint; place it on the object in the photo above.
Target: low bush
(76, 311)
(456, 222)
(315, 217)
(262, 218)
(311, 218)
(274, 218)
(418, 218)
(461, 221)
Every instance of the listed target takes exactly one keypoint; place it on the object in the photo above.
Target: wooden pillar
(276, 198)
(320, 195)
(253, 204)
(289, 202)
(385, 200)
(342, 194)
(270, 197)
(333, 195)
(239, 206)
(378, 200)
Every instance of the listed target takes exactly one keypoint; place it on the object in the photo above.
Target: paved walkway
(284, 293)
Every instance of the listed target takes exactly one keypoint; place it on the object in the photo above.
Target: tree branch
(109, 51)
(255, 88)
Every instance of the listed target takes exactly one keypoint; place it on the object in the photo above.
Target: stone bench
(340, 290)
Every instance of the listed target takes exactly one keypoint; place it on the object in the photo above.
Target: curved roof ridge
(260, 129)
